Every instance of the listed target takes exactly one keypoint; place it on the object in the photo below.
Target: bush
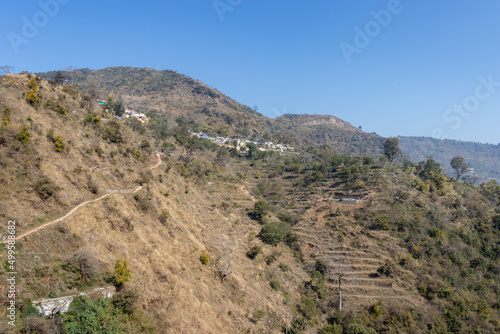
(260, 209)
(125, 301)
(33, 98)
(359, 329)
(96, 121)
(6, 117)
(254, 251)
(258, 314)
(332, 329)
(112, 132)
(56, 107)
(307, 308)
(85, 316)
(71, 90)
(122, 274)
(204, 257)
(164, 217)
(275, 285)
(388, 269)
(24, 136)
(58, 141)
(273, 233)
(45, 188)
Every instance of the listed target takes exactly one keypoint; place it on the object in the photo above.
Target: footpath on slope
(126, 191)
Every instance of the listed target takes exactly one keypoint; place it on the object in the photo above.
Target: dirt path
(76, 208)
(129, 191)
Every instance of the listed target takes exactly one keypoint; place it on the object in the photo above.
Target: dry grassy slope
(176, 290)
(24, 164)
(169, 92)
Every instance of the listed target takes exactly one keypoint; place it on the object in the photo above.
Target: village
(241, 144)
(238, 143)
(129, 113)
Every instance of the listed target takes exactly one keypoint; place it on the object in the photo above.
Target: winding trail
(125, 191)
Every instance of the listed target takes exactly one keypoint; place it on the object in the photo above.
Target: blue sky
(416, 68)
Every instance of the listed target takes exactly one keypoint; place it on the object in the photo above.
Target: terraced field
(359, 254)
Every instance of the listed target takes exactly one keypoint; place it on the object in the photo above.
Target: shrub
(307, 308)
(58, 141)
(24, 136)
(122, 274)
(45, 188)
(258, 314)
(32, 84)
(204, 257)
(6, 117)
(85, 316)
(288, 217)
(273, 233)
(164, 216)
(376, 310)
(261, 209)
(253, 252)
(125, 301)
(95, 120)
(359, 329)
(270, 259)
(112, 132)
(71, 90)
(332, 329)
(33, 98)
(283, 266)
(275, 285)
(56, 107)
(388, 269)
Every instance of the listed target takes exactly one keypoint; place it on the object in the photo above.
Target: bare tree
(227, 246)
(71, 72)
(6, 69)
(470, 180)
(87, 263)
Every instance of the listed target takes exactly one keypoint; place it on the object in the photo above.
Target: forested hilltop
(200, 237)
(484, 158)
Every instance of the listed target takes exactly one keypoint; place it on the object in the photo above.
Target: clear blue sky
(403, 78)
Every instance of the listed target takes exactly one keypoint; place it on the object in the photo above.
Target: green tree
(459, 165)
(260, 209)
(391, 148)
(273, 233)
(252, 149)
(367, 160)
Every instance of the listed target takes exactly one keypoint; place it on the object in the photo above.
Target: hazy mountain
(484, 158)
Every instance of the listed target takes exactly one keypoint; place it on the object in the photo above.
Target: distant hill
(484, 158)
(208, 110)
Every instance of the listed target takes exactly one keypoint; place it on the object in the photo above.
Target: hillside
(215, 240)
(484, 158)
(203, 108)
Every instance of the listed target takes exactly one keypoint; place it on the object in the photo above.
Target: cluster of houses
(241, 144)
(129, 113)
